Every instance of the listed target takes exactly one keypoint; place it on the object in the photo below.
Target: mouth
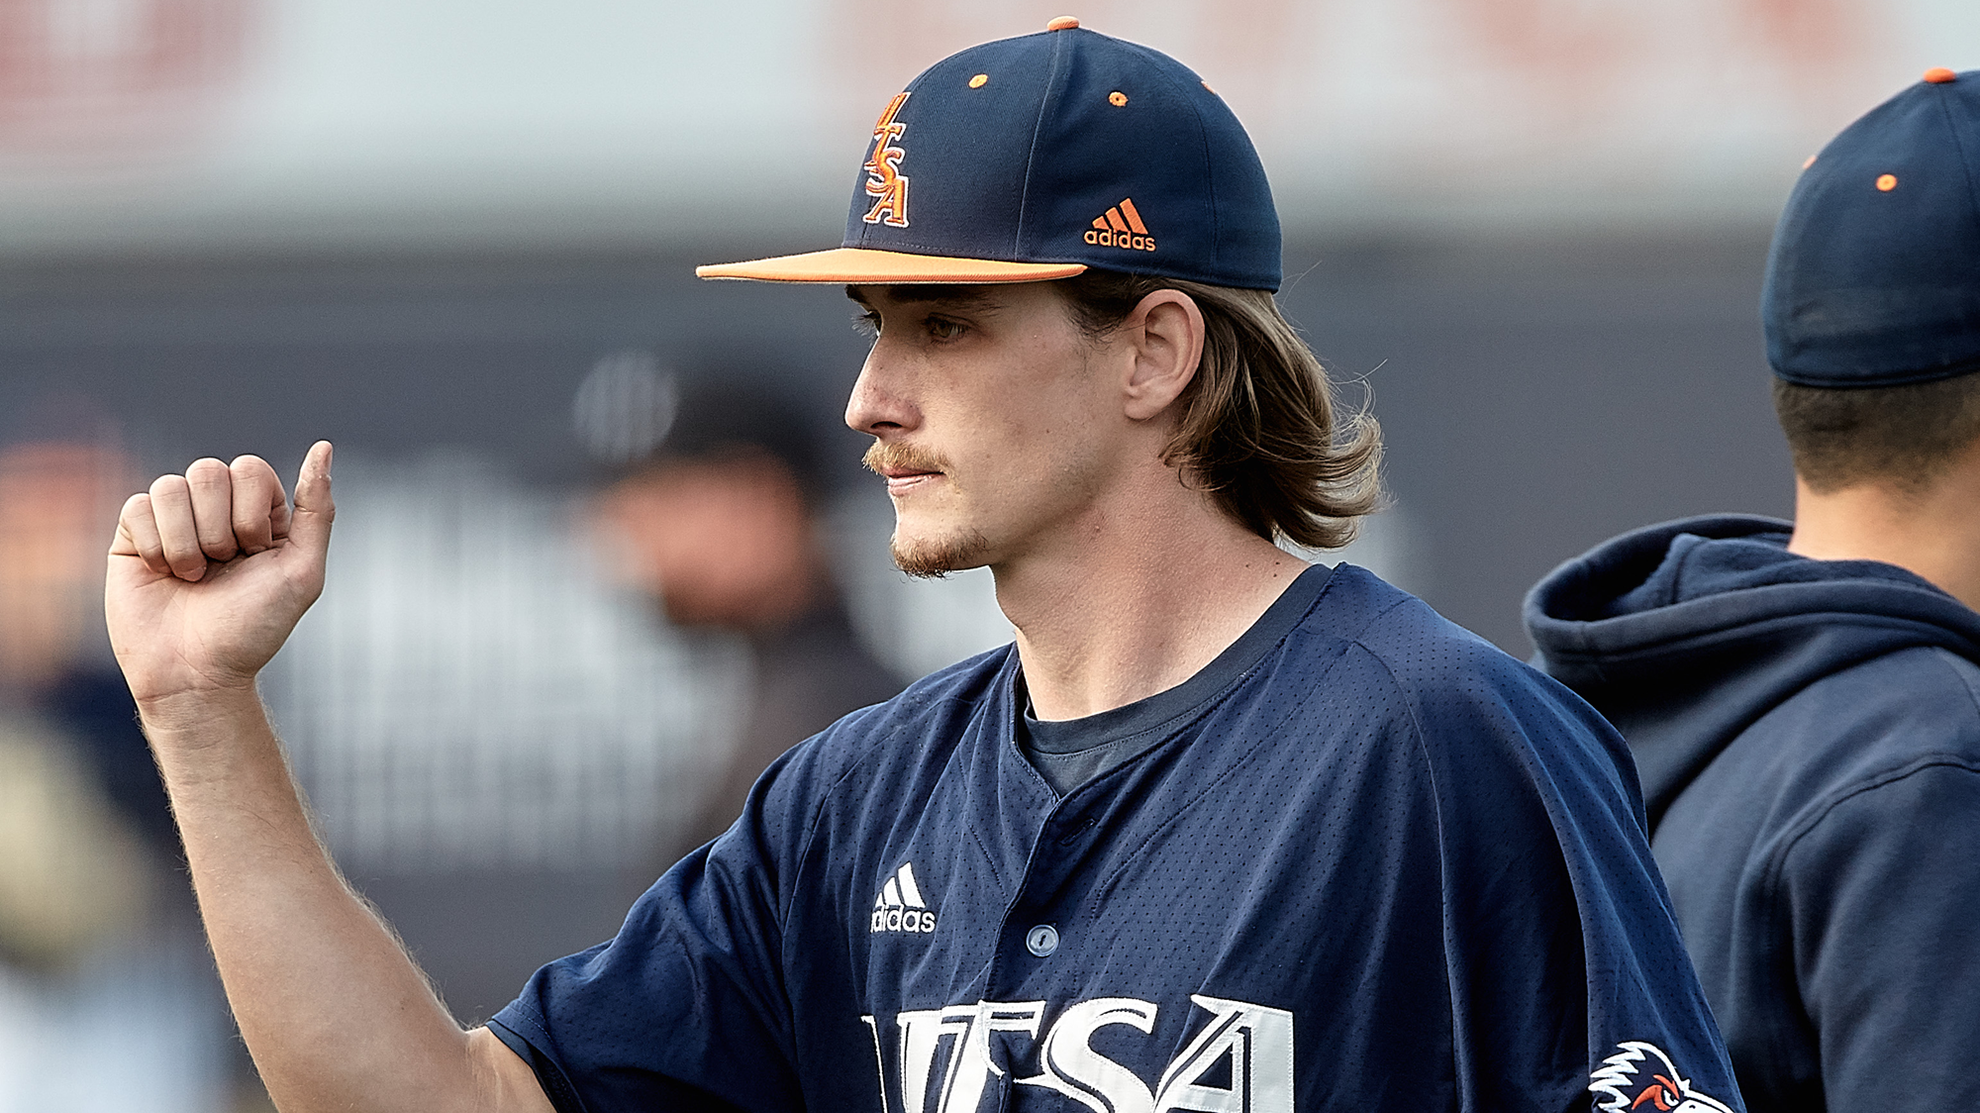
(905, 469)
(900, 481)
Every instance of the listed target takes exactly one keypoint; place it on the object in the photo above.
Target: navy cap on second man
(1874, 277)
(1037, 157)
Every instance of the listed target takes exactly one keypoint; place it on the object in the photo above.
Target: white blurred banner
(372, 123)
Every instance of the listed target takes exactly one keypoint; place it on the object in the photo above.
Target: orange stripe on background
(1100, 223)
(1114, 218)
(1134, 218)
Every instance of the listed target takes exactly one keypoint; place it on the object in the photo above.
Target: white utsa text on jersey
(942, 1061)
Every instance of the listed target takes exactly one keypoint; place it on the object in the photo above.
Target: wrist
(196, 710)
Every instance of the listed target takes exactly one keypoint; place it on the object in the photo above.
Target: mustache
(901, 457)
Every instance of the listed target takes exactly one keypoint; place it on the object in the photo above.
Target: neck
(1137, 600)
(1932, 531)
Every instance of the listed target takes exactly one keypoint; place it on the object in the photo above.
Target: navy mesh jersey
(1388, 867)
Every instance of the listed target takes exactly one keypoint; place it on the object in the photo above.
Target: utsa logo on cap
(885, 179)
(899, 906)
(1037, 157)
(1640, 1077)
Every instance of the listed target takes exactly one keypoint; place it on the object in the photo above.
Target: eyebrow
(961, 295)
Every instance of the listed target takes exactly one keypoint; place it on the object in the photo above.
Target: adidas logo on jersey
(1121, 227)
(899, 906)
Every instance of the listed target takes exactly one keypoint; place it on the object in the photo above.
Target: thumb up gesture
(210, 571)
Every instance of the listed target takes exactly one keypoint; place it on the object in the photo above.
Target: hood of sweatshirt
(1684, 633)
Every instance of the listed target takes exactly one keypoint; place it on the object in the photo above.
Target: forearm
(334, 1012)
(207, 575)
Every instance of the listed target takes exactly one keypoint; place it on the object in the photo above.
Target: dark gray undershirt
(1071, 752)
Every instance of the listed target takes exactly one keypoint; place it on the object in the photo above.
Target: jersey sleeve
(686, 1007)
(1568, 978)
(1880, 893)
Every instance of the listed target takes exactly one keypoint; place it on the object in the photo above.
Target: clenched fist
(209, 573)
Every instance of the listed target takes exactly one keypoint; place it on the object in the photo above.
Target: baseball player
(1221, 831)
(1801, 695)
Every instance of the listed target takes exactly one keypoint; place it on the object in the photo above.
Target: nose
(878, 405)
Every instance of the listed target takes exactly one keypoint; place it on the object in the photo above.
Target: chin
(935, 557)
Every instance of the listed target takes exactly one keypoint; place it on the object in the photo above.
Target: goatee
(926, 560)
(932, 560)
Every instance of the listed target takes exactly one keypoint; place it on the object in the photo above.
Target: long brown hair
(1257, 426)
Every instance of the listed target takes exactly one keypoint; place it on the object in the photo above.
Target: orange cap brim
(866, 266)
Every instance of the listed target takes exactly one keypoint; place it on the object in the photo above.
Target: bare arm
(208, 574)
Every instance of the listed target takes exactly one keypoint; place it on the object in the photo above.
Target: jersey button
(1042, 940)
(1073, 833)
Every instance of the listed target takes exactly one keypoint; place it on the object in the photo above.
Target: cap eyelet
(1117, 98)
(1887, 182)
(979, 81)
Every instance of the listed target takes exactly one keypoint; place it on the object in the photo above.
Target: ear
(1165, 336)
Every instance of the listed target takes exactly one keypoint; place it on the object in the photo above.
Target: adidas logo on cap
(1121, 227)
(899, 906)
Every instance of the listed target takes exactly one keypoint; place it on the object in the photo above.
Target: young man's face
(995, 421)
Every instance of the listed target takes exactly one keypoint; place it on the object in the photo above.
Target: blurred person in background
(1803, 698)
(79, 796)
(721, 525)
(94, 947)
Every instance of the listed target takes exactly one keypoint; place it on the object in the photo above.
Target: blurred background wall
(1529, 232)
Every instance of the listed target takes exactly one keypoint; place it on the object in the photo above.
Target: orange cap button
(1062, 23)
(1887, 182)
(1939, 75)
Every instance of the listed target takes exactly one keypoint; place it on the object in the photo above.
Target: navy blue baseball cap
(1874, 276)
(1037, 157)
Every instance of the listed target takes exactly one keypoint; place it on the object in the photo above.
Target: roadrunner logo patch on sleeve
(1639, 1077)
(899, 906)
